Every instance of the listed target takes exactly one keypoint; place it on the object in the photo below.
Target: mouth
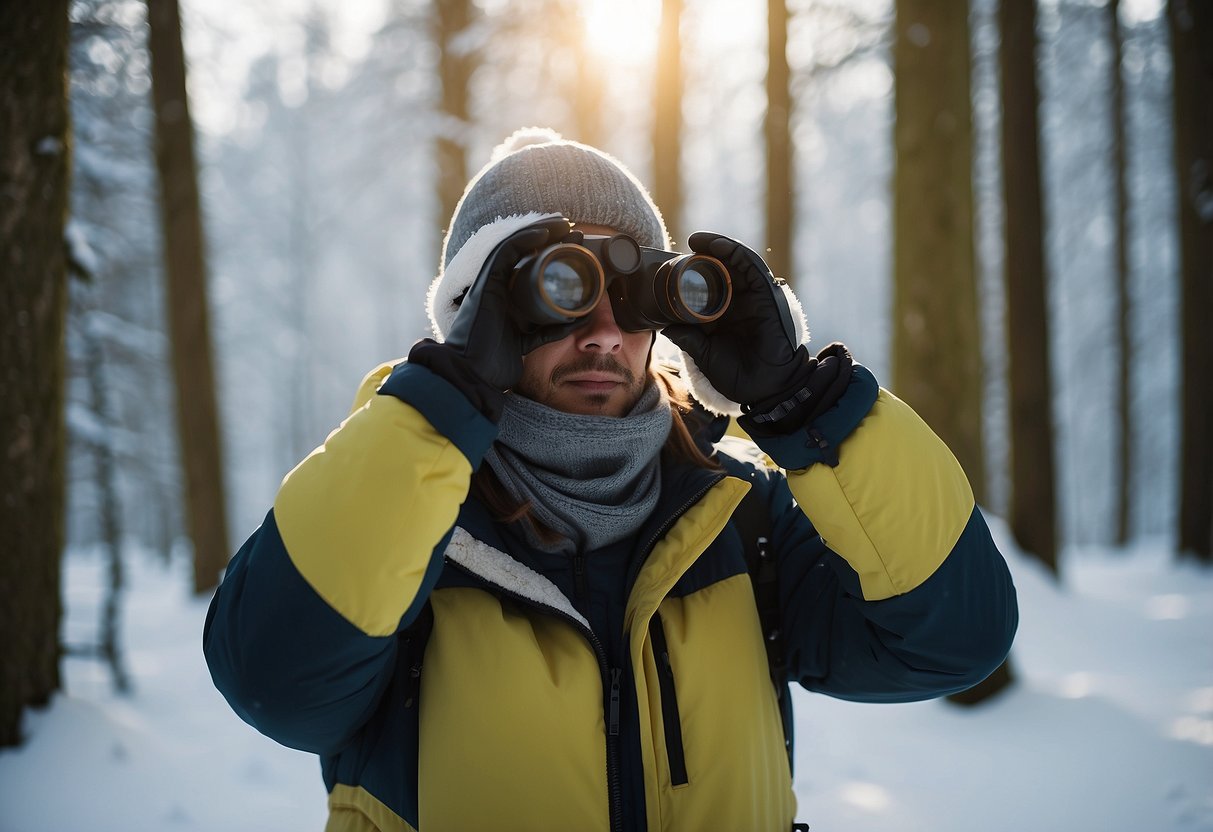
(594, 382)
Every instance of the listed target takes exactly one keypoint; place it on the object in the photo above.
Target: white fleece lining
(499, 569)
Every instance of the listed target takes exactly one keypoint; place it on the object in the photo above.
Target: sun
(621, 30)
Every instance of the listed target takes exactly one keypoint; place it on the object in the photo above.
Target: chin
(592, 405)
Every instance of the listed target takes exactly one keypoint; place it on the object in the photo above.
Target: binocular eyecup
(648, 288)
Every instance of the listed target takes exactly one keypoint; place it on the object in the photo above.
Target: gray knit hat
(537, 171)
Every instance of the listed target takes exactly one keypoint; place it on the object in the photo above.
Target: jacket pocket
(669, 704)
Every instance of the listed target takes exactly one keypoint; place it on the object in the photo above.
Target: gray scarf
(592, 479)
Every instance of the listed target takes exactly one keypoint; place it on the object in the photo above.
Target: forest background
(331, 142)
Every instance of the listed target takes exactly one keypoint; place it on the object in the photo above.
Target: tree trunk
(937, 365)
(777, 131)
(589, 95)
(303, 429)
(456, 64)
(1191, 25)
(109, 647)
(1033, 514)
(1119, 172)
(185, 270)
(35, 168)
(588, 100)
(667, 119)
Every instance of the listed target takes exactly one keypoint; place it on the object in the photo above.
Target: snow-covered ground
(1110, 726)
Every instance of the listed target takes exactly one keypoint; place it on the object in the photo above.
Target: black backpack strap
(753, 520)
(414, 639)
(754, 524)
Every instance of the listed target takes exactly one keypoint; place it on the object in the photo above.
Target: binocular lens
(557, 286)
(701, 287)
(699, 292)
(570, 283)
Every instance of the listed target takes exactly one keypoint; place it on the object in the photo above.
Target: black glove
(750, 353)
(482, 354)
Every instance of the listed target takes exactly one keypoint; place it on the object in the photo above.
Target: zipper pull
(414, 683)
(666, 664)
(613, 725)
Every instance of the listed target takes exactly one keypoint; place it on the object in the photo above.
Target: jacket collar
(694, 507)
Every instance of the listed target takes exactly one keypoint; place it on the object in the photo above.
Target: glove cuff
(445, 362)
(783, 408)
(817, 389)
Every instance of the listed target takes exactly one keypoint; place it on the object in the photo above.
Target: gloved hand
(828, 378)
(482, 354)
(749, 354)
(485, 330)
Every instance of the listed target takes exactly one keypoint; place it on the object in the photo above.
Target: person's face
(598, 370)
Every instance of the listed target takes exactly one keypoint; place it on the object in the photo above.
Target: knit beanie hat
(536, 170)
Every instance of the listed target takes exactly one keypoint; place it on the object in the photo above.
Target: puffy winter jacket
(382, 619)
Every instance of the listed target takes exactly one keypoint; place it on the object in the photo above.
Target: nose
(600, 333)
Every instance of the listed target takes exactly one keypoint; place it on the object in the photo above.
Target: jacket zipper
(669, 704)
(611, 679)
(660, 532)
(610, 676)
(580, 583)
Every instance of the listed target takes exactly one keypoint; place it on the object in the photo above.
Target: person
(511, 589)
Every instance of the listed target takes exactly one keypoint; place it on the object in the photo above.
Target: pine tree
(1192, 52)
(667, 118)
(185, 270)
(35, 170)
(1033, 506)
(780, 151)
(937, 365)
(456, 62)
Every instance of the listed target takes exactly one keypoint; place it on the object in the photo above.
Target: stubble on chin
(548, 390)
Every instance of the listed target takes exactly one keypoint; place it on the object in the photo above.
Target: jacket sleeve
(301, 635)
(891, 587)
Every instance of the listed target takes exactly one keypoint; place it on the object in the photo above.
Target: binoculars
(648, 288)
